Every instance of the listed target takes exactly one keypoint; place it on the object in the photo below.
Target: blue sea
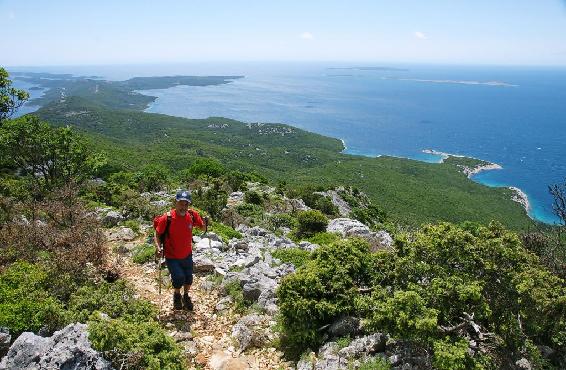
(512, 116)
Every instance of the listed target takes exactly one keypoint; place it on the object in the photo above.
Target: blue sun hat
(184, 195)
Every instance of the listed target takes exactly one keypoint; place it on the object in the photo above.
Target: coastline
(518, 196)
(521, 197)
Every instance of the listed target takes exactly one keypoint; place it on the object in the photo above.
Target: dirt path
(204, 334)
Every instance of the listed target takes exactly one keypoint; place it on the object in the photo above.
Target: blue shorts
(181, 271)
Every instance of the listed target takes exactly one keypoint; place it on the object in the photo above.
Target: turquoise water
(520, 125)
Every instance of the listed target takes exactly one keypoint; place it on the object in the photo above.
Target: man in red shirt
(178, 246)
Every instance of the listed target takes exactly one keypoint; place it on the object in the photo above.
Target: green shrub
(212, 200)
(234, 290)
(152, 177)
(207, 167)
(371, 215)
(25, 304)
(117, 300)
(311, 222)
(325, 205)
(324, 238)
(236, 180)
(253, 197)
(432, 280)
(343, 342)
(375, 364)
(323, 289)
(133, 224)
(279, 220)
(252, 212)
(135, 345)
(143, 253)
(452, 355)
(296, 256)
(225, 231)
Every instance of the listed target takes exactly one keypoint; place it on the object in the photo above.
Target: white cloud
(306, 36)
(420, 35)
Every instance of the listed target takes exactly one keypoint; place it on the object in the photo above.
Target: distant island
(461, 82)
(377, 68)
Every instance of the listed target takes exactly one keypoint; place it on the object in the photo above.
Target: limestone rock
(68, 348)
(224, 361)
(249, 331)
(112, 218)
(345, 326)
(120, 234)
(202, 264)
(523, 364)
(367, 345)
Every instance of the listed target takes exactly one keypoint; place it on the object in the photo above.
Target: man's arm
(198, 221)
(157, 243)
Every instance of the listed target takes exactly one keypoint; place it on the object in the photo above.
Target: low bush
(25, 304)
(310, 222)
(117, 300)
(226, 232)
(324, 238)
(280, 220)
(321, 290)
(143, 253)
(253, 197)
(296, 256)
(135, 345)
(440, 288)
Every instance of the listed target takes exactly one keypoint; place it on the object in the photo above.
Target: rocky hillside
(238, 322)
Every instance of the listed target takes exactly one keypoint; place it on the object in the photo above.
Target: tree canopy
(10, 98)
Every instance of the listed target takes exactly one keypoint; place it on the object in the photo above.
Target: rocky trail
(205, 334)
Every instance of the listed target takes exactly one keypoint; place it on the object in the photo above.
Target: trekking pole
(158, 258)
(206, 231)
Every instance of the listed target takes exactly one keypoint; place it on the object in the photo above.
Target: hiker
(176, 226)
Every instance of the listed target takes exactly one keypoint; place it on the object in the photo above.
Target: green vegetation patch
(297, 256)
(143, 253)
(472, 277)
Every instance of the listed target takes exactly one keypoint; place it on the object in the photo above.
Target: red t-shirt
(178, 244)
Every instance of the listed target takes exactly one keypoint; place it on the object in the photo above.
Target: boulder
(345, 326)
(68, 348)
(367, 345)
(120, 234)
(224, 303)
(523, 364)
(202, 264)
(221, 360)
(354, 228)
(112, 218)
(347, 227)
(206, 244)
(250, 331)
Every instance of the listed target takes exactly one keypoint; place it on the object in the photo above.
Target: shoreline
(519, 196)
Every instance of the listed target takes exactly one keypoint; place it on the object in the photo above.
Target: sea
(512, 116)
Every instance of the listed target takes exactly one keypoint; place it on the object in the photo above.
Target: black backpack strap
(165, 234)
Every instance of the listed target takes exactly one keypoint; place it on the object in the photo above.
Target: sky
(87, 32)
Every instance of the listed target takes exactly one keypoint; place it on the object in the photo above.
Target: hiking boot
(187, 303)
(177, 304)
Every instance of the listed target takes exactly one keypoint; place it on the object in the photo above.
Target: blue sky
(65, 32)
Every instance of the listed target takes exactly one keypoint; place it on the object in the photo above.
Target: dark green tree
(10, 98)
(50, 158)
